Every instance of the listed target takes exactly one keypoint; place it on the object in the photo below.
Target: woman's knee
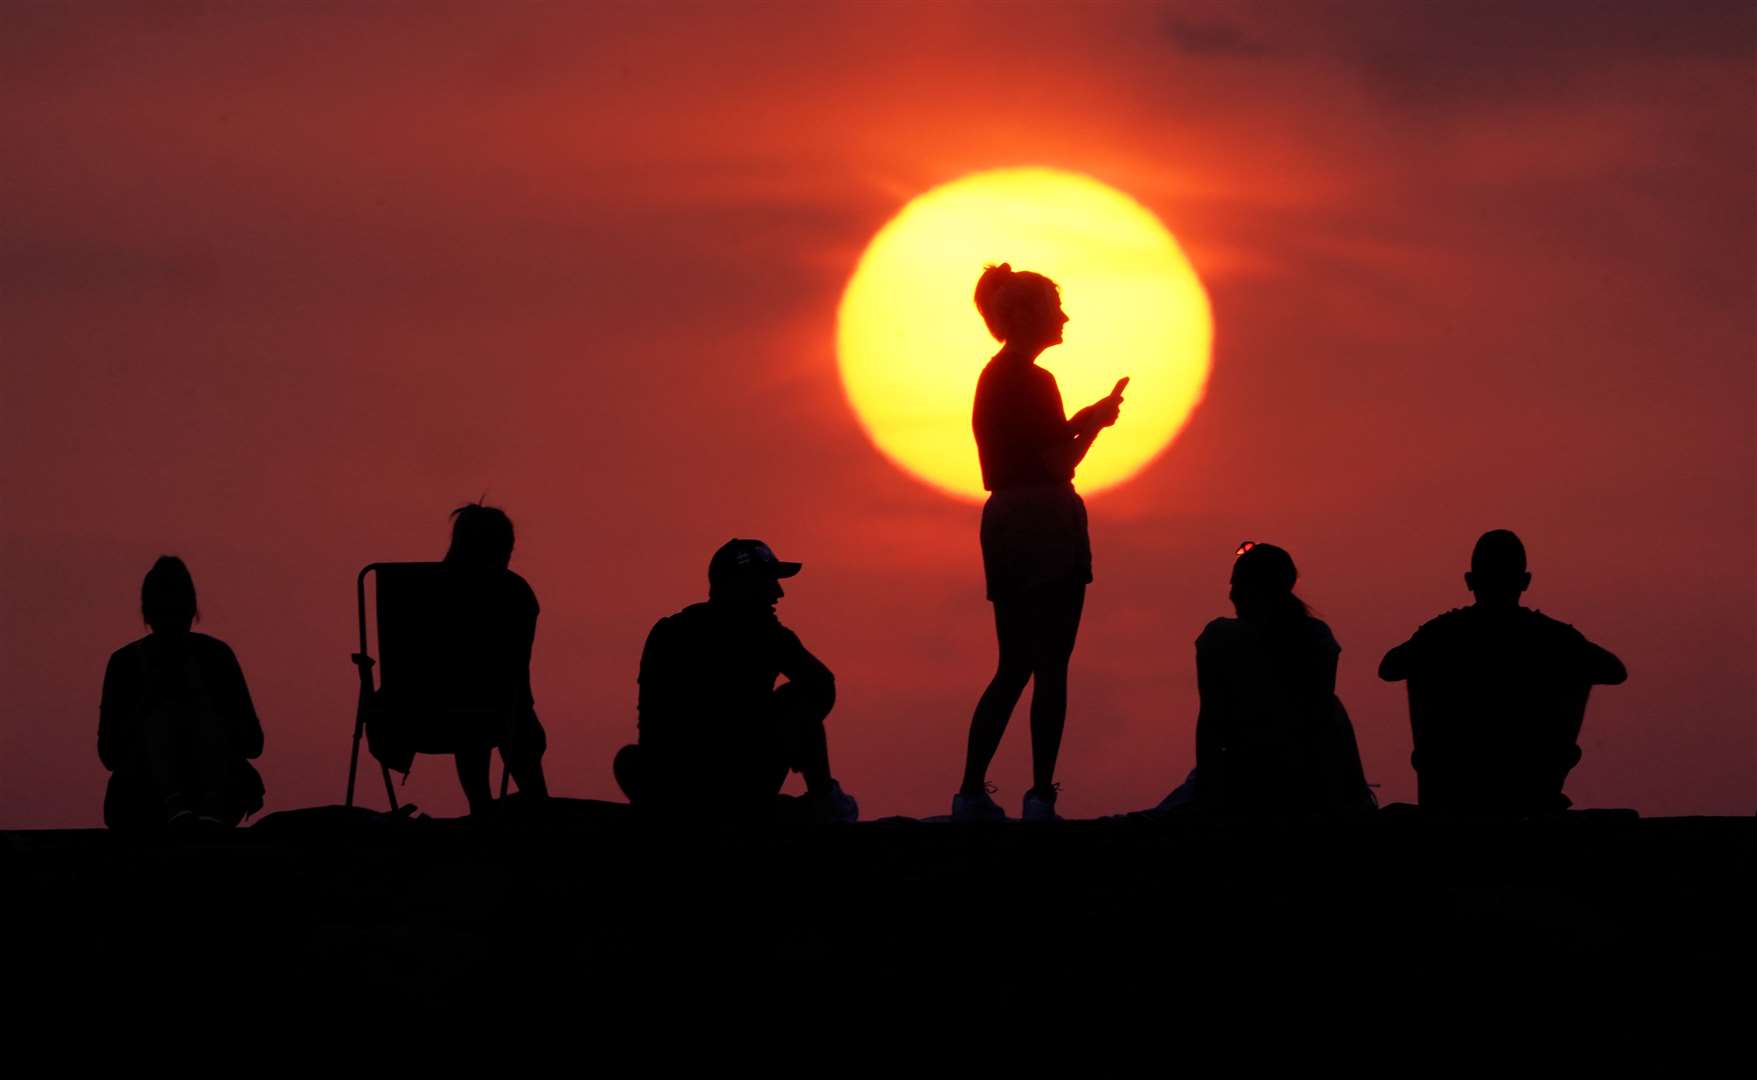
(1011, 674)
(1058, 619)
(1050, 678)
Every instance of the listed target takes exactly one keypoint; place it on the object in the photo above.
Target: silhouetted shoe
(834, 807)
(1039, 808)
(978, 807)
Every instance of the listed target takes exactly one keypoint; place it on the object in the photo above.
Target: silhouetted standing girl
(1035, 552)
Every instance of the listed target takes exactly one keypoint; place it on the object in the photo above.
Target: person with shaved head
(1497, 693)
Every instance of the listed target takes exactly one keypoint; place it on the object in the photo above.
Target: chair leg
(353, 766)
(389, 791)
(354, 757)
(363, 665)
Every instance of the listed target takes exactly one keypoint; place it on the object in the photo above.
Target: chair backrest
(417, 635)
(453, 654)
(448, 641)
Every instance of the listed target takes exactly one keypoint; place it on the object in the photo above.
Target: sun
(910, 344)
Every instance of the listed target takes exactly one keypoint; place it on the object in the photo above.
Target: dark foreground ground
(590, 903)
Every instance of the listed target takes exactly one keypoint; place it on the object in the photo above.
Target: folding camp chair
(417, 632)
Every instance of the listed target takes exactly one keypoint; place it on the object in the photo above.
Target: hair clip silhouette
(1244, 546)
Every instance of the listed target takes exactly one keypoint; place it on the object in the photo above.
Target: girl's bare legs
(1036, 636)
(1012, 629)
(1056, 624)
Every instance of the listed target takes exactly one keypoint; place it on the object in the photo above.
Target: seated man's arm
(802, 669)
(1601, 666)
(657, 703)
(1399, 663)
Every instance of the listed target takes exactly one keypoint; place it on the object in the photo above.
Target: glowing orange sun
(910, 343)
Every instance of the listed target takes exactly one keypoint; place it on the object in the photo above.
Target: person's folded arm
(802, 669)
(1396, 665)
(1602, 666)
(246, 726)
(116, 713)
(658, 692)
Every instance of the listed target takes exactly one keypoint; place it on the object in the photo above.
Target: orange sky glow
(280, 287)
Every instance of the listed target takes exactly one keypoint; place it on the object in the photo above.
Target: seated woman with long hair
(1271, 737)
(176, 726)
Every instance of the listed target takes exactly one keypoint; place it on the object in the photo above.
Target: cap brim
(787, 569)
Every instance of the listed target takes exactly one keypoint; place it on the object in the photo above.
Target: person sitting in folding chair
(494, 622)
(455, 642)
(717, 737)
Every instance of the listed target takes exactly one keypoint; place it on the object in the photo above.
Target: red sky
(280, 285)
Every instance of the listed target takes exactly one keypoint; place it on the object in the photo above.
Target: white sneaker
(1038, 808)
(836, 807)
(977, 807)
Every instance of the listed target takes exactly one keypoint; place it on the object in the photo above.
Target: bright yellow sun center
(910, 343)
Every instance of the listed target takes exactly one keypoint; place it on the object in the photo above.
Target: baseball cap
(740, 558)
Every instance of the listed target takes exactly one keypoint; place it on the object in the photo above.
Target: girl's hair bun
(1003, 294)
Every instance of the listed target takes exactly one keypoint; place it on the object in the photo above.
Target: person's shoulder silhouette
(1497, 639)
(1230, 633)
(1221, 631)
(708, 660)
(697, 618)
(677, 647)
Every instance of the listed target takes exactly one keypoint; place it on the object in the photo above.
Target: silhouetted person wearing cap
(176, 724)
(1271, 736)
(1497, 693)
(493, 623)
(1036, 554)
(717, 737)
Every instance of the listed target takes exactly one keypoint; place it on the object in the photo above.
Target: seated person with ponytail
(1271, 736)
(176, 724)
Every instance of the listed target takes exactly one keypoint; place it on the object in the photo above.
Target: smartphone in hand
(1117, 391)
